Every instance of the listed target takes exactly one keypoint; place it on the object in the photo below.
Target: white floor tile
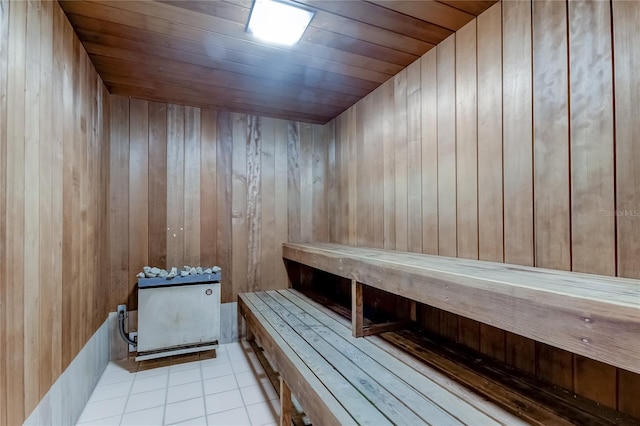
(224, 401)
(237, 416)
(184, 392)
(215, 361)
(185, 366)
(200, 421)
(152, 372)
(145, 400)
(114, 390)
(109, 421)
(182, 377)
(237, 392)
(212, 371)
(103, 409)
(116, 376)
(152, 416)
(185, 410)
(220, 384)
(258, 393)
(249, 378)
(149, 383)
(263, 413)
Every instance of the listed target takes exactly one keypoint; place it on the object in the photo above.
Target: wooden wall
(514, 140)
(54, 152)
(198, 187)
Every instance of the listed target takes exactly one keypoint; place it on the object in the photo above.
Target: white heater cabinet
(178, 316)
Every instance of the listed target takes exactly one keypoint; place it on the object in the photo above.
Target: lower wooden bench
(339, 379)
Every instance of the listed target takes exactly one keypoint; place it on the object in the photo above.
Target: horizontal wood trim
(594, 316)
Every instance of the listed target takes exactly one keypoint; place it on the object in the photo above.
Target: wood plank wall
(54, 153)
(191, 186)
(503, 144)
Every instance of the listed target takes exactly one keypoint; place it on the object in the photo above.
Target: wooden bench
(340, 379)
(590, 315)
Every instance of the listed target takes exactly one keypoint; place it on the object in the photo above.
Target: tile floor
(230, 389)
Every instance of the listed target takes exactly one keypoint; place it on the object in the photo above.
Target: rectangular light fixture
(278, 22)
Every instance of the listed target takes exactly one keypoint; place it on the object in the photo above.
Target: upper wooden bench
(590, 315)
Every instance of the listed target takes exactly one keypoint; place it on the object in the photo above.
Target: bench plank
(309, 389)
(395, 398)
(340, 389)
(458, 400)
(591, 315)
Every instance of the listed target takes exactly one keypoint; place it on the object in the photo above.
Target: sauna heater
(178, 316)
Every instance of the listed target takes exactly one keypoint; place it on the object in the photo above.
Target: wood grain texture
(517, 98)
(267, 213)
(628, 385)
(254, 200)
(4, 60)
(401, 157)
(31, 276)
(523, 129)
(552, 162)
(191, 202)
(46, 165)
(478, 290)
(208, 188)
(447, 231)
(53, 198)
(119, 201)
(158, 184)
(490, 160)
(466, 157)
(221, 183)
(175, 186)
(138, 189)
(627, 95)
(466, 142)
(389, 165)
(592, 168)
(348, 49)
(306, 181)
(429, 127)
(239, 201)
(591, 126)
(414, 158)
(364, 194)
(286, 404)
(626, 47)
(15, 152)
(551, 136)
(224, 155)
(518, 133)
(293, 175)
(280, 201)
(320, 185)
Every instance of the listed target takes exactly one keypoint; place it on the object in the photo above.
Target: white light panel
(278, 22)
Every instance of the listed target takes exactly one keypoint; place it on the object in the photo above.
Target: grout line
(204, 399)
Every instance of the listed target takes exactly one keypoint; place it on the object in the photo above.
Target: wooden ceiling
(198, 52)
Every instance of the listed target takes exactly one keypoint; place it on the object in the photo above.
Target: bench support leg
(286, 406)
(413, 314)
(249, 334)
(357, 314)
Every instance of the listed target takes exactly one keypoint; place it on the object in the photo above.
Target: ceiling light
(278, 22)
